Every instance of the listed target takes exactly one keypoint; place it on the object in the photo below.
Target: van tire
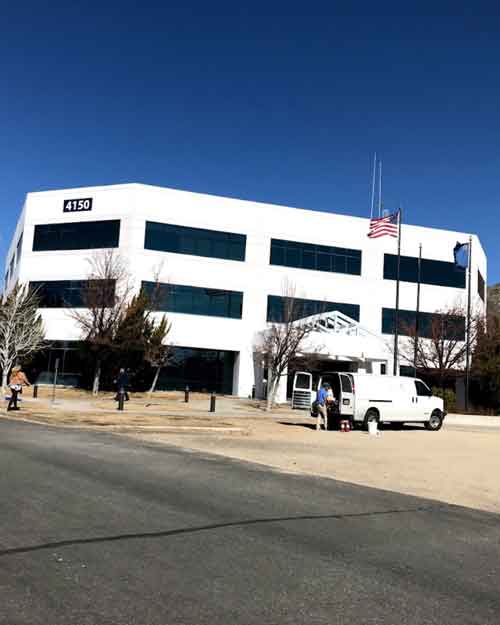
(371, 415)
(435, 422)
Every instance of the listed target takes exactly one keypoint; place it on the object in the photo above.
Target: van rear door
(346, 399)
(302, 391)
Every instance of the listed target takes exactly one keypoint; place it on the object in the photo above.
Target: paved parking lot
(457, 465)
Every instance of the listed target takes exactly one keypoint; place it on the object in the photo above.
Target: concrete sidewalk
(472, 420)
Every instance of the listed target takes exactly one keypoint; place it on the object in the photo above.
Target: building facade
(223, 265)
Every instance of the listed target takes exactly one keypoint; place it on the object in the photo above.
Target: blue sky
(271, 102)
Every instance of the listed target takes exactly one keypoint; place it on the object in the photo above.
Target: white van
(368, 397)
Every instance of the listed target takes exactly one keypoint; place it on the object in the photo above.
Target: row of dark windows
(282, 309)
(429, 324)
(194, 241)
(230, 246)
(74, 293)
(315, 257)
(78, 235)
(435, 272)
(192, 300)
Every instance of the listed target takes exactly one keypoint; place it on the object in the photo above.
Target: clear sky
(274, 102)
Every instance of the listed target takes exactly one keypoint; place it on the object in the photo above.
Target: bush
(448, 396)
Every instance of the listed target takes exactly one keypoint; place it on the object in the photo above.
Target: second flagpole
(395, 368)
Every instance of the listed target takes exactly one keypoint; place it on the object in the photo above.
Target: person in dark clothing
(122, 384)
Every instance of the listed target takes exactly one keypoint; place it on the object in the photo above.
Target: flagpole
(467, 345)
(380, 189)
(417, 312)
(373, 184)
(396, 315)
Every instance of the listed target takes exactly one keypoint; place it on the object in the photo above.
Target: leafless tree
(158, 353)
(105, 296)
(21, 328)
(279, 343)
(440, 346)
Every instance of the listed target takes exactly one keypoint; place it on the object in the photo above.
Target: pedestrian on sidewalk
(16, 382)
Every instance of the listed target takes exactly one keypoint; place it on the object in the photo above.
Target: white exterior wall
(134, 204)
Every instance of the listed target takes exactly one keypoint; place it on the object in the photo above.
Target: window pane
(480, 285)
(279, 308)
(74, 293)
(80, 235)
(195, 300)
(318, 257)
(435, 272)
(194, 241)
(430, 325)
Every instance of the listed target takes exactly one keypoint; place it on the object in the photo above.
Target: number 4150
(84, 204)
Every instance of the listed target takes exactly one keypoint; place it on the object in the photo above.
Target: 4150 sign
(76, 206)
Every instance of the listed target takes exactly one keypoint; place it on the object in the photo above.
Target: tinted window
(429, 324)
(200, 369)
(79, 235)
(195, 300)
(18, 248)
(74, 293)
(436, 272)
(346, 384)
(317, 257)
(194, 241)
(280, 309)
(480, 285)
(303, 381)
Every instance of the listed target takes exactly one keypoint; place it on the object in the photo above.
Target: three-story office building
(222, 265)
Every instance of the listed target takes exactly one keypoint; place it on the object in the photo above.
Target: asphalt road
(99, 529)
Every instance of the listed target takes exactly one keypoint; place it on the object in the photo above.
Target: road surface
(100, 529)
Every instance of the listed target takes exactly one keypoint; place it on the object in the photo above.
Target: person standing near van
(321, 399)
(16, 382)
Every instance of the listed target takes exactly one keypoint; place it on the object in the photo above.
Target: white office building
(224, 263)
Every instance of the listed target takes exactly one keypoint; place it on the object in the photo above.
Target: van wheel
(371, 415)
(435, 422)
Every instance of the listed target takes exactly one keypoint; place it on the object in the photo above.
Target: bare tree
(158, 353)
(279, 343)
(440, 345)
(21, 328)
(105, 297)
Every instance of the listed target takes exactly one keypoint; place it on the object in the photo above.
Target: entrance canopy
(336, 336)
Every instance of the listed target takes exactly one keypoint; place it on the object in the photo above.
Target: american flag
(382, 226)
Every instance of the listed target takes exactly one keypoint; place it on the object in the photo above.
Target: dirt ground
(456, 465)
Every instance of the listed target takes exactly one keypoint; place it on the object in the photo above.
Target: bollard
(186, 394)
(121, 398)
(212, 402)
(35, 391)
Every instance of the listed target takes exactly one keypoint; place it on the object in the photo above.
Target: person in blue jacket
(322, 409)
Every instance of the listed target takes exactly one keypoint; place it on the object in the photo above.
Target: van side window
(346, 384)
(422, 389)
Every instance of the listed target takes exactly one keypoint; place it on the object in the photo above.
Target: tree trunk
(155, 380)
(97, 377)
(271, 393)
(4, 379)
